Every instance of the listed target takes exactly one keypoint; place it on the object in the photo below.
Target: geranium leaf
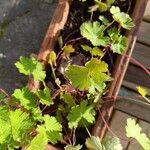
(70, 147)
(68, 99)
(108, 143)
(20, 123)
(94, 143)
(68, 49)
(94, 51)
(119, 42)
(30, 66)
(133, 130)
(104, 20)
(52, 129)
(122, 18)
(14, 125)
(26, 98)
(39, 142)
(102, 6)
(112, 143)
(45, 96)
(78, 76)
(94, 32)
(79, 113)
(110, 2)
(52, 58)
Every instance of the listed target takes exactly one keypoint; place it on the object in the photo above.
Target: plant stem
(87, 129)
(54, 75)
(74, 136)
(133, 60)
(107, 124)
(109, 25)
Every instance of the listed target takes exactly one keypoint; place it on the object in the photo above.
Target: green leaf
(68, 49)
(79, 113)
(104, 20)
(133, 130)
(2, 96)
(14, 125)
(20, 124)
(60, 41)
(68, 99)
(110, 2)
(25, 97)
(39, 142)
(94, 51)
(108, 143)
(122, 18)
(52, 129)
(81, 76)
(70, 147)
(121, 46)
(143, 92)
(37, 115)
(93, 8)
(78, 75)
(30, 66)
(119, 42)
(112, 143)
(94, 32)
(94, 143)
(52, 58)
(102, 6)
(5, 125)
(95, 65)
(45, 97)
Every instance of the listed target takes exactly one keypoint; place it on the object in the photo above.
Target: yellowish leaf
(142, 91)
(52, 58)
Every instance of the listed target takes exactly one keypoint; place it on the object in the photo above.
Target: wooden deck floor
(129, 107)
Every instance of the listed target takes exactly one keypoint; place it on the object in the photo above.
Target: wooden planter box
(57, 24)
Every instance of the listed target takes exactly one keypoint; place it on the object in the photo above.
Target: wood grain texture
(144, 33)
(137, 76)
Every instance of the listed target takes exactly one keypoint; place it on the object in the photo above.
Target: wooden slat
(144, 33)
(137, 76)
(117, 125)
(134, 107)
(132, 86)
(142, 53)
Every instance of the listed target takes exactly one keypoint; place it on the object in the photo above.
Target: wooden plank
(134, 145)
(134, 107)
(137, 76)
(142, 54)
(144, 33)
(132, 86)
(117, 125)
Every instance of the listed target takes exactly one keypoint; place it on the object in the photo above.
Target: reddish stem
(133, 60)
(107, 124)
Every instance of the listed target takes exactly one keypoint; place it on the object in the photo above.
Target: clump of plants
(63, 109)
